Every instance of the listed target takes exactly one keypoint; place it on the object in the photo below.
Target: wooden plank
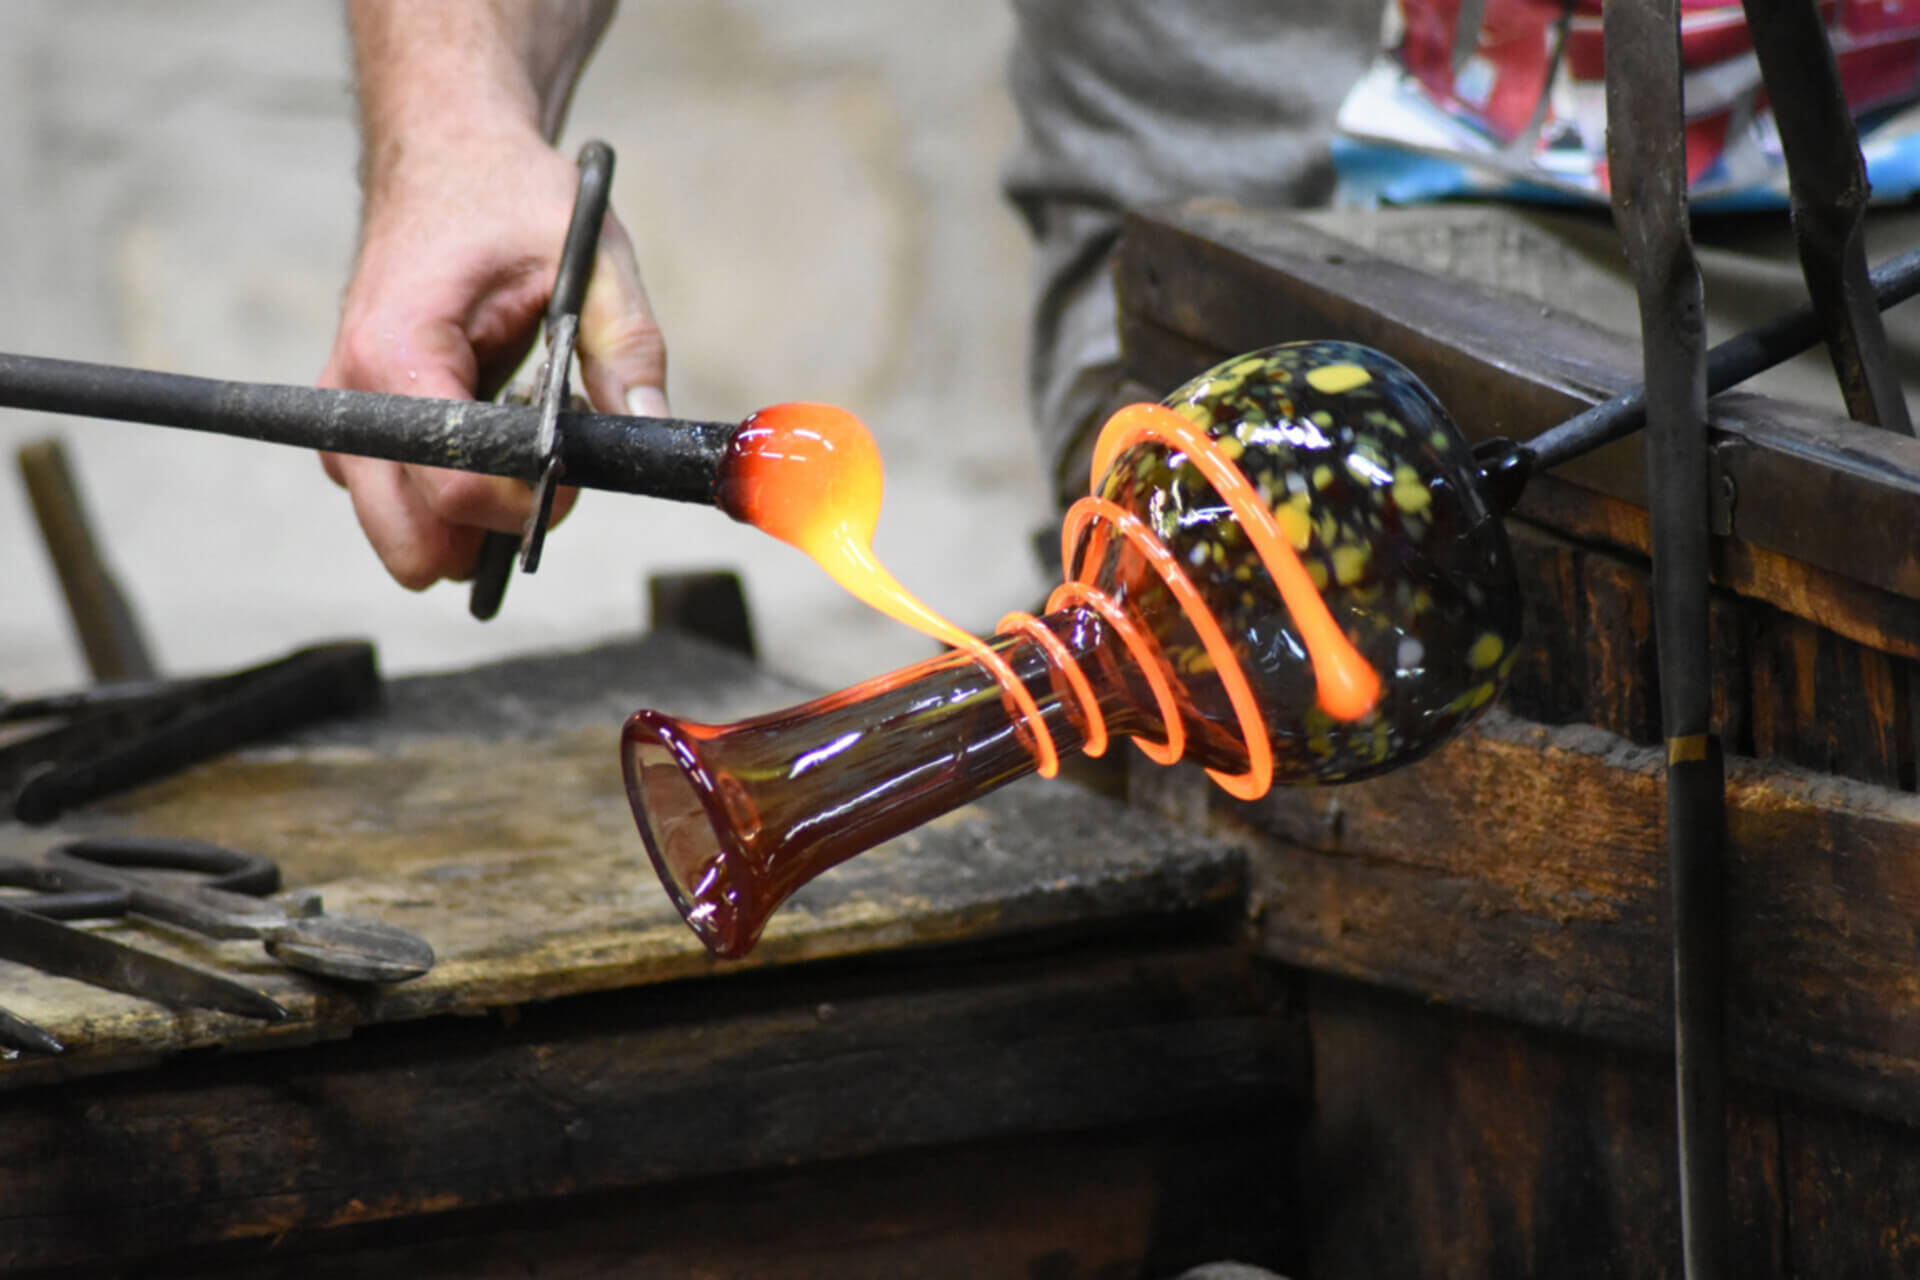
(637, 1088)
(486, 812)
(1852, 1192)
(1623, 672)
(1230, 280)
(1521, 871)
(1549, 682)
(1070, 1208)
(1444, 1144)
(1826, 703)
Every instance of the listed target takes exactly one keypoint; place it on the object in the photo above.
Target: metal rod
(1827, 186)
(669, 458)
(110, 633)
(1729, 364)
(1646, 153)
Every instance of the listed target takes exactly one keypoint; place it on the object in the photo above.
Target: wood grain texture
(639, 1087)
(1443, 1144)
(1853, 1193)
(1521, 871)
(486, 813)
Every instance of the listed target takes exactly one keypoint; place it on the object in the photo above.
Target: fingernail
(646, 402)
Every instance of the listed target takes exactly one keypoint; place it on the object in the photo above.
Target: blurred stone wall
(813, 191)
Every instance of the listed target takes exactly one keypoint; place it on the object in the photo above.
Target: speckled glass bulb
(1374, 489)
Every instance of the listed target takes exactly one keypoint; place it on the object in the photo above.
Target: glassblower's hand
(458, 250)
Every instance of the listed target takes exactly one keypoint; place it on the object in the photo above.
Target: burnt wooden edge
(1812, 486)
(640, 1088)
(1521, 872)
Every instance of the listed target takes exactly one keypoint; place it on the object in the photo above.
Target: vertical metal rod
(1827, 181)
(109, 633)
(1646, 149)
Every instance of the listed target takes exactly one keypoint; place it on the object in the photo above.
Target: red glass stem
(736, 818)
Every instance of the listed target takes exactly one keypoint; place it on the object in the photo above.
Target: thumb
(623, 356)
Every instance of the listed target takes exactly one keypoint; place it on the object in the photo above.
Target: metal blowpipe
(670, 458)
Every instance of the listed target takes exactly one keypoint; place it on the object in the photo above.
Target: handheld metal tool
(551, 394)
(216, 892)
(113, 736)
(32, 933)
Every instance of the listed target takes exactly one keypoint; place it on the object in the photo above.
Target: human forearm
(434, 73)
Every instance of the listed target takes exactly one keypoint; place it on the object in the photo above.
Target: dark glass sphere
(1375, 488)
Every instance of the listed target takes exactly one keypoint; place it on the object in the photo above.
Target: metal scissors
(551, 395)
(216, 892)
(32, 933)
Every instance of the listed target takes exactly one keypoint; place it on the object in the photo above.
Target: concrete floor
(180, 197)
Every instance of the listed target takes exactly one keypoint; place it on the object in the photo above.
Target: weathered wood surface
(485, 811)
(642, 1087)
(1210, 279)
(1442, 1144)
(1521, 871)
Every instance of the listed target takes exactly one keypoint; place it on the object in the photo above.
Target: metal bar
(110, 635)
(1646, 156)
(1729, 364)
(1827, 184)
(94, 958)
(670, 458)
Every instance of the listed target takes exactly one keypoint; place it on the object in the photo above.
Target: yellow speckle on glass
(1229, 448)
(1349, 562)
(1318, 572)
(1408, 493)
(1336, 378)
(1294, 523)
(1322, 476)
(1439, 440)
(1199, 415)
(1486, 651)
(1323, 420)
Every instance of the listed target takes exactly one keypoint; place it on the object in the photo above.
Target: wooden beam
(637, 1088)
(1224, 279)
(1519, 872)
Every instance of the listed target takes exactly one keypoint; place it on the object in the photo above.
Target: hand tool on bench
(219, 893)
(497, 550)
(113, 736)
(33, 932)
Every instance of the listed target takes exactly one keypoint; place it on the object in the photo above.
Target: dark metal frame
(1827, 177)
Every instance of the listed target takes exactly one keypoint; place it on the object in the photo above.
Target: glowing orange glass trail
(810, 475)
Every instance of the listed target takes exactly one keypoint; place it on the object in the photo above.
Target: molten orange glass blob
(810, 475)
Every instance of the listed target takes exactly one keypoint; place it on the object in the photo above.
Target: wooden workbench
(1021, 1033)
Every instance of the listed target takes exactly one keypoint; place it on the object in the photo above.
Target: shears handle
(497, 550)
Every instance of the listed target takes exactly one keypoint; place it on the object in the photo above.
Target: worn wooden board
(485, 811)
(642, 1087)
(1522, 871)
(1443, 1144)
